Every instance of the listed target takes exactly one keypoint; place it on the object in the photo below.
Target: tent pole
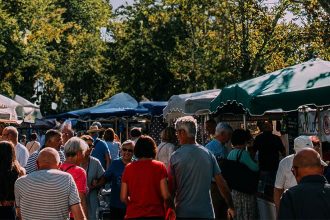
(244, 121)
(319, 128)
(203, 129)
(127, 129)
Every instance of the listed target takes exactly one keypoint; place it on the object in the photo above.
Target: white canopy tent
(10, 109)
(30, 110)
(197, 103)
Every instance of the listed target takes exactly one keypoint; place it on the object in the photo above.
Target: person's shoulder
(158, 163)
(117, 161)
(79, 169)
(94, 159)
(34, 154)
(100, 141)
(287, 159)
(211, 143)
(22, 147)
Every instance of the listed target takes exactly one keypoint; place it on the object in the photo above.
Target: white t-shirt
(164, 152)
(22, 154)
(284, 176)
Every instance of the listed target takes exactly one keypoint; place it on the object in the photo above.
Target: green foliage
(157, 48)
(57, 42)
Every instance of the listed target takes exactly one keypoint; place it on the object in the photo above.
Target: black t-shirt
(7, 185)
(269, 146)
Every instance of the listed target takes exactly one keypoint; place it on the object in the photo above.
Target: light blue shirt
(114, 149)
(217, 149)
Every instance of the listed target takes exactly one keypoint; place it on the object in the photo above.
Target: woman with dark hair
(167, 146)
(113, 146)
(144, 183)
(245, 204)
(10, 170)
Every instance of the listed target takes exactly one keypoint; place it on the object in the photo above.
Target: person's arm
(18, 213)
(77, 212)
(249, 162)
(171, 179)
(277, 197)
(97, 183)
(82, 197)
(124, 193)
(225, 192)
(281, 147)
(166, 194)
(107, 158)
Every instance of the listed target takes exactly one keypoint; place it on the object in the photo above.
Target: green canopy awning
(307, 83)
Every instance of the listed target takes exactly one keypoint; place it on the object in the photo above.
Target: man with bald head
(47, 193)
(10, 133)
(310, 199)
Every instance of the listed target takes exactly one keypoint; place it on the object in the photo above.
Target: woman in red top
(144, 183)
(74, 150)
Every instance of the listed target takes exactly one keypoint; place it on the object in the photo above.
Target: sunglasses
(128, 150)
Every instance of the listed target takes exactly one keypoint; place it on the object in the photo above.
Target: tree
(58, 44)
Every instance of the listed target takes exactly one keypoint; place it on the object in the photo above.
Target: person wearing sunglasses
(114, 175)
(94, 171)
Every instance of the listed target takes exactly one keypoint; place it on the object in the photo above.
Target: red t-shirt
(143, 181)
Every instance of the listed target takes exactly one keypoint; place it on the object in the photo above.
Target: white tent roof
(31, 111)
(9, 108)
(197, 103)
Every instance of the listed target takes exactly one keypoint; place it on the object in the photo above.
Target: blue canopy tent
(155, 108)
(121, 104)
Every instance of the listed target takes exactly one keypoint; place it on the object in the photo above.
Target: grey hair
(223, 127)
(187, 123)
(73, 146)
(128, 142)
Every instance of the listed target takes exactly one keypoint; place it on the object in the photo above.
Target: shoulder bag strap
(32, 145)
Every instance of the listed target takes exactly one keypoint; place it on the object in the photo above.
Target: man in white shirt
(10, 133)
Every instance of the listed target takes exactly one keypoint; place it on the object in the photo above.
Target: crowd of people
(178, 179)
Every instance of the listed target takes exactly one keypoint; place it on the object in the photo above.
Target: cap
(302, 142)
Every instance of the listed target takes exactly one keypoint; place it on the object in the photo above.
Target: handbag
(239, 176)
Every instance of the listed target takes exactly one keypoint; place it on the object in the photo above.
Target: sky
(117, 3)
